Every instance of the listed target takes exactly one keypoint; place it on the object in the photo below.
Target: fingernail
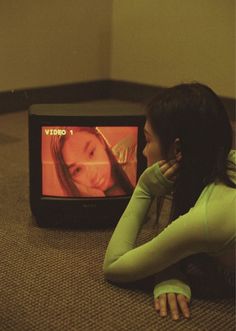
(175, 317)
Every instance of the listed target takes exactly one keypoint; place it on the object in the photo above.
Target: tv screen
(94, 161)
(84, 161)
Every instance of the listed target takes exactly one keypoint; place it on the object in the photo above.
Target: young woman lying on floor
(188, 150)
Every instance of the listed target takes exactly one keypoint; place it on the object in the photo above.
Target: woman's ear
(177, 149)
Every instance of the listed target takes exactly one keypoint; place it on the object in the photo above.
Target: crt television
(84, 161)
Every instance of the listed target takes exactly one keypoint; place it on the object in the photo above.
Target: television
(84, 161)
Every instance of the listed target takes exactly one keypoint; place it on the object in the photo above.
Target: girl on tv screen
(86, 166)
(188, 150)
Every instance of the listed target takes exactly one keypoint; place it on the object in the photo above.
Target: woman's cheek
(155, 154)
(149, 154)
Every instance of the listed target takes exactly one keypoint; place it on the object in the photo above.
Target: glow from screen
(89, 161)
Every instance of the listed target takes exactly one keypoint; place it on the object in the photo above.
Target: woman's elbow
(112, 274)
(106, 270)
(108, 273)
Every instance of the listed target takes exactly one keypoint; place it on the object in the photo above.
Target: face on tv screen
(88, 161)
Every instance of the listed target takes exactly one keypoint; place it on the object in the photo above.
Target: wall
(45, 43)
(165, 42)
(159, 42)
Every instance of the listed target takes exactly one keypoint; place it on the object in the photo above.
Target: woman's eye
(91, 153)
(76, 172)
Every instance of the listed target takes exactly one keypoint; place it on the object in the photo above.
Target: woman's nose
(88, 167)
(145, 151)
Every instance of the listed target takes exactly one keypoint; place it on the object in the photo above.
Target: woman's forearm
(152, 183)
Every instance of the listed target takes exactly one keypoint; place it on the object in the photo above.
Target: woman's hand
(170, 168)
(86, 191)
(174, 300)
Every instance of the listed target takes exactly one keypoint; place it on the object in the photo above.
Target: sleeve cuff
(154, 182)
(172, 286)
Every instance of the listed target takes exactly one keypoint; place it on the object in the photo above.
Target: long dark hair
(63, 174)
(194, 114)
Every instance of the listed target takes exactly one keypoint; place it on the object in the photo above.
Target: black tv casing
(78, 212)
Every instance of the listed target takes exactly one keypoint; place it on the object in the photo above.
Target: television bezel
(76, 211)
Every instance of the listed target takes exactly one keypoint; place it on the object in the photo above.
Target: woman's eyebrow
(86, 146)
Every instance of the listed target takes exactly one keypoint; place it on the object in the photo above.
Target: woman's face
(152, 150)
(87, 160)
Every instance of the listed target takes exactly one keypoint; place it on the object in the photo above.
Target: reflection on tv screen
(89, 161)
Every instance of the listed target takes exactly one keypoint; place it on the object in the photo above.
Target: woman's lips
(101, 181)
(98, 181)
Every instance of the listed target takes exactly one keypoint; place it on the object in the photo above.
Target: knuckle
(179, 295)
(171, 295)
(181, 298)
(156, 303)
(185, 311)
(174, 311)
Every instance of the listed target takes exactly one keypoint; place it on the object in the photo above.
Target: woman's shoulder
(220, 189)
(231, 171)
(220, 215)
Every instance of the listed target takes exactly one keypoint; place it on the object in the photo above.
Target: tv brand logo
(93, 205)
(55, 132)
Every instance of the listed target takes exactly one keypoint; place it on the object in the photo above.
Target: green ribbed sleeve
(172, 286)
(124, 262)
(171, 280)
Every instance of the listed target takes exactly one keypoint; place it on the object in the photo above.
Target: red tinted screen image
(89, 161)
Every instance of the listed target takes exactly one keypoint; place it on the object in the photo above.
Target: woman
(86, 166)
(188, 150)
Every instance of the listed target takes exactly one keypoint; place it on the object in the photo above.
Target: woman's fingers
(170, 173)
(157, 304)
(183, 303)
(161, 162)
(86, 191)
(169, 169)
(174, 301)
(173, 305)
(163, 308)
(178, 156)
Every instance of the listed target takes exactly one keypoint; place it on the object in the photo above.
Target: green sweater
(207, 227)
